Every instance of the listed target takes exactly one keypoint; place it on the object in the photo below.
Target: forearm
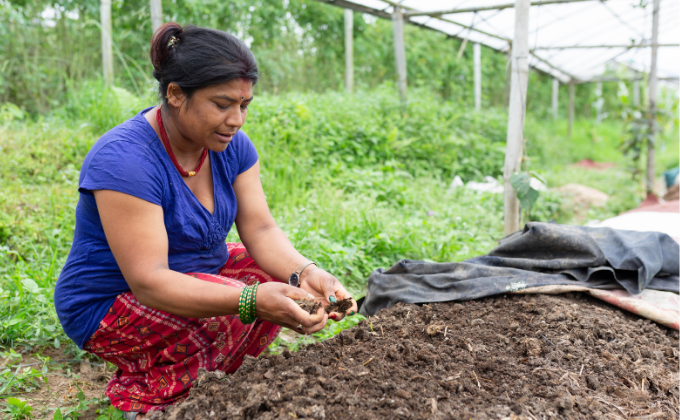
(183, 295)
(272, 250)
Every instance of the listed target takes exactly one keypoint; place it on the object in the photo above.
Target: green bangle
(242, 305)
(246, 304)
(252, 303)
(249, 303)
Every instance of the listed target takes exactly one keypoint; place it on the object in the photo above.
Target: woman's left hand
(326, 289)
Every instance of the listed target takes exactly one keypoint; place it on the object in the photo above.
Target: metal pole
(518, 93)
(107, 49)
(636, 93)
(571, 108)
(580, 47)
(484, 8)
(508, 78)
(653, 81)
(600, 99)
(555, 92)
(400, 51)
(156, 14)
(349, 51)
(477, 58)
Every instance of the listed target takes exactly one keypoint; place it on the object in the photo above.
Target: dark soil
(509, 357)
(312, 306)
(340, 306)
(309, 305)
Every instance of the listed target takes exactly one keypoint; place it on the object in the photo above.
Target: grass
(357, 182)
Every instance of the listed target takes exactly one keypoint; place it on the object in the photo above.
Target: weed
(103, 407)
(355, 188)
(17, 409)
(15, 377)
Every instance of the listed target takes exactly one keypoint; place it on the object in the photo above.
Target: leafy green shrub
(357, 182)
(17, 409)
(355, 187)
(101, 107)
(338, 131)
(9, 113)
(15, 377)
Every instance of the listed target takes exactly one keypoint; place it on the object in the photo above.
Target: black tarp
(542, 254)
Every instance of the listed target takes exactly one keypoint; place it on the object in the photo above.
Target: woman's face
(213, 115)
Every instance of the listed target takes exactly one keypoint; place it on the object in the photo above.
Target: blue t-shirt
(131, 159)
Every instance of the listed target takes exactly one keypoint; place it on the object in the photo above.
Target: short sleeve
(245, 152)
(125, 167)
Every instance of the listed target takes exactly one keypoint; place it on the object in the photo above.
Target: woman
(150, 284)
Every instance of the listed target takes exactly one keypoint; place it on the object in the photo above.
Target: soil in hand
(312, 306)
(508, 357)
(309, 305)
(340, 306)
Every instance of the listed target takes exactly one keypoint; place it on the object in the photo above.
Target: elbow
(143, 295)
(144, 299)
(266, 227)
(256, 231)
(145, 288)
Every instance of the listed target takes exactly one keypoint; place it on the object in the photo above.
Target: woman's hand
(326, 289)
(275, 302)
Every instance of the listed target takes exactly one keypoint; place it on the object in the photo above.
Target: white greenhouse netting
(610, 27)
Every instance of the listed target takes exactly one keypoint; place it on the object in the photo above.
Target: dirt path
(61, 384)
(517, 357)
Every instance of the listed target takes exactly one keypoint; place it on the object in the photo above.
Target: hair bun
(164, 39)
(193, 58)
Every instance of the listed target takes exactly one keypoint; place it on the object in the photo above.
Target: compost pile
(514, 356)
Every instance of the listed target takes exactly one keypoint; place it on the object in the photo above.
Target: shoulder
(127, 159)
(241, 141)
(132, 141)
(239, 156)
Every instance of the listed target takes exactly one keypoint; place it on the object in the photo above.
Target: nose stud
(241, 97)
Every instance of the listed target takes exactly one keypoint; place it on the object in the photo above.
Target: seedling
(17, 409)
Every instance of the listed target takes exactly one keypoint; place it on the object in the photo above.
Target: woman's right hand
(275, 302)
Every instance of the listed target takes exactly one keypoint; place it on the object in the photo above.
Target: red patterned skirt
(158, 354)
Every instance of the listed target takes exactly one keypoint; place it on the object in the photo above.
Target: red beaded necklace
(166, 143)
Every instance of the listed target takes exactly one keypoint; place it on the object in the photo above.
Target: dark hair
(194, 58)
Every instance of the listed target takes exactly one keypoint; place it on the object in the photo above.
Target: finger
(300, 329)
(341, 293)
(317, 327)
(329, 284)
(296, 293)
(336, 316)
(293, 328)
(354, 309)
(318, 316)
(301, 317)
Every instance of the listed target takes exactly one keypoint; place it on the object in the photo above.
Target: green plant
(526, 194)
(9, 113)
(640, 132)
(109, 412)
(17, 409)
(102, 407)
(15, 377)
(354, 187)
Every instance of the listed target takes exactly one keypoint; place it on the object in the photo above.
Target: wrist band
(294, 279)
(246, 304)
